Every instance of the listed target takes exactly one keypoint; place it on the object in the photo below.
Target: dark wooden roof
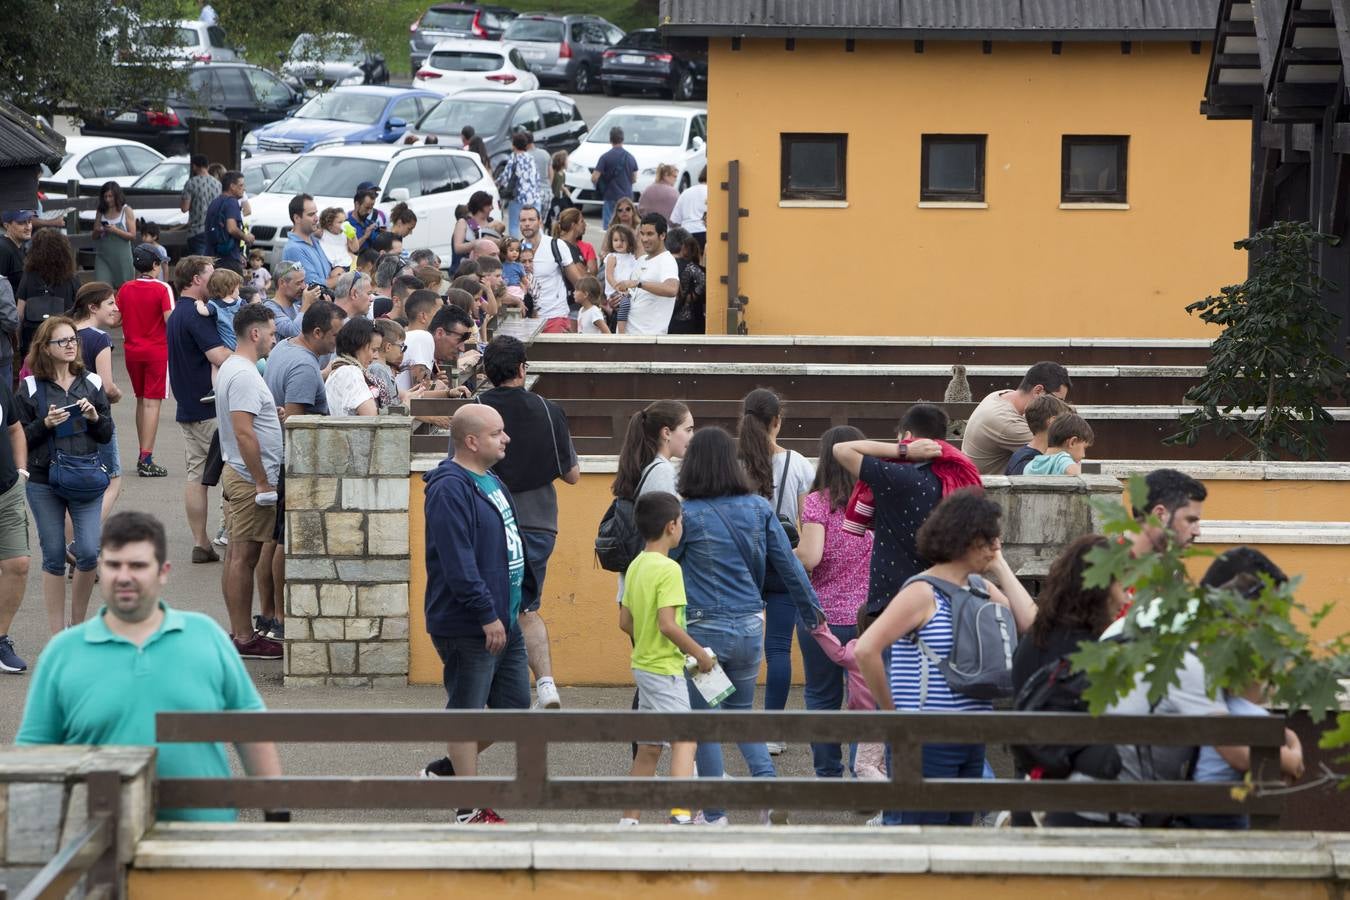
(24, 142)
(1009, 20)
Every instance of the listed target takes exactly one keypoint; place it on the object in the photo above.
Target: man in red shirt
(145, 303)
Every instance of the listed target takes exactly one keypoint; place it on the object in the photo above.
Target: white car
(458, 64)
(188, 41)
(654, 134)
(96, 160)
(432, 180)
(171, 175)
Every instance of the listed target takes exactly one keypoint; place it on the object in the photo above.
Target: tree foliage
(1241, 641)
(1275, 362)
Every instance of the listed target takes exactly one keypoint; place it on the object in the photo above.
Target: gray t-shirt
(799, 478)
(239, 388)
(542, 162)
(293, 377)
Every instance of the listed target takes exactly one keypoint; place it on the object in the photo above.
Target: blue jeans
(49, 512)
(538, 548)
(780, 620)
(825, 684)
(196, 244)
(474, 678)
(942, 761)
(513, 218)
(739, 645)
(607, 213)
(110, 457)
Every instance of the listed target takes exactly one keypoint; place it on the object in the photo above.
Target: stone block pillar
(347, 550)
(44, 803)
(1043, 514)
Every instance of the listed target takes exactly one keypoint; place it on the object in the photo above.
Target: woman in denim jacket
(732, 541)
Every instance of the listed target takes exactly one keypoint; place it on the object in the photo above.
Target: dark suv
(563, 49)
(552, 118)
(642, 61)
(217, 93)
(455, 20)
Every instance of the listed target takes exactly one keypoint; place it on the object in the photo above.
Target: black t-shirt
(1029, 658)
(11, 261)
(536, 454)
(904, 495)
(1020, 460)
(9, 415)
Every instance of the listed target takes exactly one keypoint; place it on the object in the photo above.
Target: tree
(1275, 362)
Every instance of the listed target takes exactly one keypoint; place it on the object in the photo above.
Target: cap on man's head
(367, 186)
(144, 257)
(17, 215)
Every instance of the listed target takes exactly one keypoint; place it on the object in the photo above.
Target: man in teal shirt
(103, 681)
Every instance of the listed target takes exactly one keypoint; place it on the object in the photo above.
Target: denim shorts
(475, 679)
(108, 455)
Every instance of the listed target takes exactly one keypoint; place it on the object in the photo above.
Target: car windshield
(360, 109)
(336, 48)
(327, 176)
(545, 30)
(185, 37)
(458, 19)
(167, 176)
(451, 115)
(464, 61)
(656, 131)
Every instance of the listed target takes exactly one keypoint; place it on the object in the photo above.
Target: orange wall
(1278, 500)
(1022, 267)
(1326, 578)
(171, 884)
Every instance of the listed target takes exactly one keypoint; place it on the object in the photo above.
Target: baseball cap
(144, 257)
(367, 186)
(17, 215)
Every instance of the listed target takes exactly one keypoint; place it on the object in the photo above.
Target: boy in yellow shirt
(652, 614)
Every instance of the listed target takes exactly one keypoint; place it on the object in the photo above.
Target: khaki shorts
(245, 520)
(13, 522)
(196, 444)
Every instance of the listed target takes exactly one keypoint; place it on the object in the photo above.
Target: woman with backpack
(48, 285)
(656, 435)
(66, 419)
(961, 538)
(732, 543)
(783, 478)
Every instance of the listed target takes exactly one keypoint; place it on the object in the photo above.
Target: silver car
(316, 64)
(563, 50)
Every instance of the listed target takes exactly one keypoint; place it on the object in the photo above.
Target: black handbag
(215, 462)
(789, 526)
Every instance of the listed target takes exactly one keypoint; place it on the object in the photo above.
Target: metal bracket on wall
(736, 301)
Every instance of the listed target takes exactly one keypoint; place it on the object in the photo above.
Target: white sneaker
(719, 822)
(547, 692)
(776, 748)
(876, 820)
(221, 538)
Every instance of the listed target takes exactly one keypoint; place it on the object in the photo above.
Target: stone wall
(347, 550)
(1042, 514)
(43, 803)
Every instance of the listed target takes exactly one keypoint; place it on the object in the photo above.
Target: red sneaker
(483, 817)
(258, 647)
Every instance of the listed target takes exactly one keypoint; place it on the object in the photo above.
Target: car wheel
(581, 80)
(684, 87)
(611, 89)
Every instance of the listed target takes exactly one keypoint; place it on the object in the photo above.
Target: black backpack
(42, 306)
(617, 543)
(1057, 687)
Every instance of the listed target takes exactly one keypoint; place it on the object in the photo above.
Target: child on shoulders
(652, 614)
(223, 289)
(1068, 441)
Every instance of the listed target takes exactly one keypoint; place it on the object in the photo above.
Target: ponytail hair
(89, 296)
(754, 447)
(641, 442)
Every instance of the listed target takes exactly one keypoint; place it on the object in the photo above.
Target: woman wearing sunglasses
(65, 418)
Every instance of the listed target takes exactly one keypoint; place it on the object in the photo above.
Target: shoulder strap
(782, 485)
(742, 547)
(557, 461)
(637, 492)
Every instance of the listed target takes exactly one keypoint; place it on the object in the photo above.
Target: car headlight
(322, 145)
(358, 78)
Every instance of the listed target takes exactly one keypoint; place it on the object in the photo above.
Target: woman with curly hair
(961, 538)
(48, 285)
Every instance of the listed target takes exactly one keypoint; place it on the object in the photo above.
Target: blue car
(359, 114)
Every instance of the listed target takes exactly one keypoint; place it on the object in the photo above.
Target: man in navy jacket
(476, 575)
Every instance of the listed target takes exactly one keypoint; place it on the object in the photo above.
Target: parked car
(170, 176)
(431, 180)
(459, 64)
(495, 115)
(335, 60)
(95, 160)
(455, 20)
(365, 114)
(190, 41)
(654, 134)
(563, 49)
(641, 62)
(218, 94)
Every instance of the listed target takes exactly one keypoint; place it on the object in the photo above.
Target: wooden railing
(91, 854)
(534, 733)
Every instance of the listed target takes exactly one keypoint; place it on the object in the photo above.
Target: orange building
(940, 168)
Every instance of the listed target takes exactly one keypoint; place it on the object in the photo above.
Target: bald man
(476, 576)
(485, 247)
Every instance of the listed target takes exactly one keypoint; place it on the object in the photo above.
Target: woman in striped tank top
(961, 538)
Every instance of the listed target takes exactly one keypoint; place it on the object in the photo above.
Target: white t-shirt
(690, 209)
(550, 285)
(650, 314)
(587, 318)
(346, 389)
(421, 351)
(624, 264)
(335, 248)
(799, 479)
